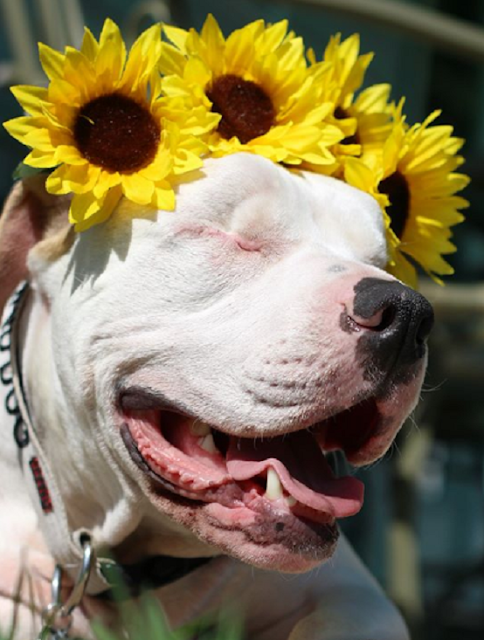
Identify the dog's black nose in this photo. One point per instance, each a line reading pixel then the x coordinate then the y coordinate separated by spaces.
pixel 400 320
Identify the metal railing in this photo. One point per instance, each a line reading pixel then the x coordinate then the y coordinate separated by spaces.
pixel 444 32
pixel 58 23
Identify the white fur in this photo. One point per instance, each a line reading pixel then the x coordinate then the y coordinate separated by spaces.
pixel 215 305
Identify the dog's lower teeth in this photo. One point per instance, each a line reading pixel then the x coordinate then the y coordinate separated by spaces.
pixel 207 444
pixel 199 428
pixel 291 502
pixel 274 487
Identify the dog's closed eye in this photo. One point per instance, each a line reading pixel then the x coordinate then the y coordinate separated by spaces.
pixel 204 231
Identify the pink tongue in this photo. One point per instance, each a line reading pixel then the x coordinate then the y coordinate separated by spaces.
pixel 302 469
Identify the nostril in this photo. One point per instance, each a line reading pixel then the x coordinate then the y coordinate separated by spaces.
pixel 424 328
pixel 387 318
pixel 379 321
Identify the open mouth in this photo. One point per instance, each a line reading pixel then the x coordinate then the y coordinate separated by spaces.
pixel 288 474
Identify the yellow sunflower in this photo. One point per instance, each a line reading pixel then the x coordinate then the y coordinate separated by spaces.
pixel 102 124
pixel 415 180
pixel 364 119
pixel 257 81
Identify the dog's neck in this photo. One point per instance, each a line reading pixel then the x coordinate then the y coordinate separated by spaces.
pixel 64 507
pixel 87 500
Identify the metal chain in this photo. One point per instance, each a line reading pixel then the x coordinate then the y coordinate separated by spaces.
pixel 57 616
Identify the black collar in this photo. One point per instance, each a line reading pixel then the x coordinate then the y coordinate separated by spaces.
pixel 153 572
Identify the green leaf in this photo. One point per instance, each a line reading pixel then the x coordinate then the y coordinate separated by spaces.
pixel 24 171
pixel 102 633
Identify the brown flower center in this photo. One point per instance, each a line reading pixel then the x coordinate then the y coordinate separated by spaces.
pixel 116 133
pixel 246 109
pixel 397 189
pixel 340 114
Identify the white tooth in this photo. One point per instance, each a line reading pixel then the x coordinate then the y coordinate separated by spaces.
pixel 207 443
pixel 291 501
pixel 199 428
pixel 274 486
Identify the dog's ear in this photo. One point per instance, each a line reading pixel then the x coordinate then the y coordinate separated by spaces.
pixel 31 217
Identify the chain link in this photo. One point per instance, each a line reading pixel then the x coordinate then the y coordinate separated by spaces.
pixel 57 616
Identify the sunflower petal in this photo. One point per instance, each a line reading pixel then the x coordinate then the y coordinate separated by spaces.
pixel 172 61
pixel 90 46
pixel 72 179
pixel 374 99
pixel 186 161
pixel 137 188
pixel 69 154
pixel 86 210
pixel 19 128
pixel 214 42
pixel 177 36
pixel 239 47
pixel 404 271
pixel 163 197
pixel 273 37
pixel 111 55
pixel 52 62
pixel 40 160
pixel 105 182
pixel 143 59
pixel 33 99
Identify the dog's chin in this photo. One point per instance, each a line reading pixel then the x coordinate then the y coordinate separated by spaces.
pixel 272 501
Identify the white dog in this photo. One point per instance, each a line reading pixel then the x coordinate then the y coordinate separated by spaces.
pixel 183 374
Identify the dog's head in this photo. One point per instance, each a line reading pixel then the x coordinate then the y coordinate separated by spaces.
pixel 209 358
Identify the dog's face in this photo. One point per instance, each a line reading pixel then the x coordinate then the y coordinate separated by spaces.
pixel 214 354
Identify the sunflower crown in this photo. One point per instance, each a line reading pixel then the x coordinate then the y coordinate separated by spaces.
pixel 113 123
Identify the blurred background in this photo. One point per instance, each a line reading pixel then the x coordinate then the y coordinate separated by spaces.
pixel 422 529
